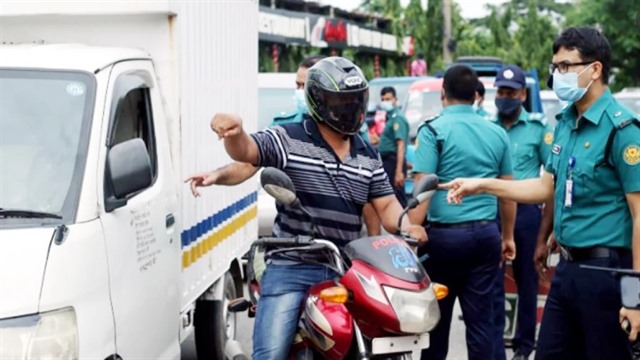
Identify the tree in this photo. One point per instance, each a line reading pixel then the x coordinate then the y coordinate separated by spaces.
pixel 619 20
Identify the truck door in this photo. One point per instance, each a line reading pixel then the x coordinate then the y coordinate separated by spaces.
pixel 143 244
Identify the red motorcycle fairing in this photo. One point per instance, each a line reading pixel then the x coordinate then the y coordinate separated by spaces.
pixel 328 326
pixel 370 306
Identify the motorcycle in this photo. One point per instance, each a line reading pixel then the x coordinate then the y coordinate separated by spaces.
pixel 630 293
pixel 383 304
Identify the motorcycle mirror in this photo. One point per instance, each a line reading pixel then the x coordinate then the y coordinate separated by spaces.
pixel 277 184
pixel 630 289
pixel 425 188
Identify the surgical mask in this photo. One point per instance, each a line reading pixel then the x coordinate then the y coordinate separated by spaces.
pixel 508 107
pixel 566 85
pixel 300 100
pixel 386 106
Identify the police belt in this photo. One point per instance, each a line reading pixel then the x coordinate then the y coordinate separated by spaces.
pixel 460 225
pixel 594 252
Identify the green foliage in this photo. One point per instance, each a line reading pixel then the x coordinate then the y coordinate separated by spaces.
pixel 619 20
pixel 519 31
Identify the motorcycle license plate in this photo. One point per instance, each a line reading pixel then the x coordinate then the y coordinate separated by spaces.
pixel 399 344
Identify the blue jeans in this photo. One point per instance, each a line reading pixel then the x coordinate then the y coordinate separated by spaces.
pixel 282 291
pixel 466 260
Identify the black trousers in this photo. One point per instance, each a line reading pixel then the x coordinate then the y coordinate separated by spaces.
pixel 389 162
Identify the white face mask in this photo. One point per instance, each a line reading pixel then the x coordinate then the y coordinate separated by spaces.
pixel 386 105
pixel 300 101
pixel 566 86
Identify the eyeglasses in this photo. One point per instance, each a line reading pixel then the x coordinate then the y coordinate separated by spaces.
pixel 563 67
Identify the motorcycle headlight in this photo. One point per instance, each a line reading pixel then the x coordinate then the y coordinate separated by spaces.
pixel 50 335
pixel 417 312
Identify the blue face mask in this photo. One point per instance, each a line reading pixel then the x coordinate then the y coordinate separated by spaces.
pixel 300 101
pixel 386 106
pixel 508 107
pixel 566 86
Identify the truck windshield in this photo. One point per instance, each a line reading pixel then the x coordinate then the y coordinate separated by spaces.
pixel 45 119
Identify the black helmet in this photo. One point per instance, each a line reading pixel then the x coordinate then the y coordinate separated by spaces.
pixel 337 94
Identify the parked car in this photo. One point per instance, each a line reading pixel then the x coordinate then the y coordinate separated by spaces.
pixel 275 96
pixel 551 105
pixel 629 97
pixel 401 84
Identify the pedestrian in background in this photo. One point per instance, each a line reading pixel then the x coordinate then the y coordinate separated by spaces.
pixel 419 66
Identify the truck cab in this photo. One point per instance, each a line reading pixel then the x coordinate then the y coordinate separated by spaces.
pixel 104 252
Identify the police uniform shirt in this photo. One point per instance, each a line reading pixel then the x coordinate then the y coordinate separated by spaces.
pixel 596 211
pixel 530 142
pixel 396 128
pixel 471 147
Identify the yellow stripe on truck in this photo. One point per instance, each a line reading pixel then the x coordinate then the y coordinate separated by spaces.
pixel 206 244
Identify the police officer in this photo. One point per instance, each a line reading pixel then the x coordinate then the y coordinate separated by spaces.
pixel 393 142
pixel 465 246
pixel 480 101
pixel 530 142
pixel 593 174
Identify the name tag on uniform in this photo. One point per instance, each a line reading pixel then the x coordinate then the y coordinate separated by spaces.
pixel 568 193
pixel 556 149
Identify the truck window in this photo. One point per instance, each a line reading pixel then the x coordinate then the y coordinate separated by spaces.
pixel 133 117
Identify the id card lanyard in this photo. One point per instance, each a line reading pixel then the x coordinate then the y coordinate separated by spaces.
pixel 568 188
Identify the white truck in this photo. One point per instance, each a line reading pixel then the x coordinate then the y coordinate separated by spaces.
pixel 104 111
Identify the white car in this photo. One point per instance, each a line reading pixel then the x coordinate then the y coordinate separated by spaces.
pixel 551 105
pixel 275 95
pixel 629 97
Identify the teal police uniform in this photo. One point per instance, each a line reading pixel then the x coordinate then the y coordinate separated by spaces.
pixel 596 211
pixel 530 140
pixel 297 116
pixel 287 118
pixel 482 112
pixel 396 128
pixel 464 244
pixel 595 161
pixel 473 147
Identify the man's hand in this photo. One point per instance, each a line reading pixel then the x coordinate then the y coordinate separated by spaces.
pixel 416 232
pixel 460 188
pixel 540 256
pixel 202 179
pixel 399 180
pixel 374 138
pixel 508 250
pixel 633 317
pixel 226 125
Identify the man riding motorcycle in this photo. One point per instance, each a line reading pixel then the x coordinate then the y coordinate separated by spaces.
pixel 334 172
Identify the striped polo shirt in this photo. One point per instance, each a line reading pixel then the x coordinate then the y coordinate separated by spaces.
pixel 333 191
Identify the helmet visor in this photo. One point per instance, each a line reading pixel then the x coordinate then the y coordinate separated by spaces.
pixel 345 110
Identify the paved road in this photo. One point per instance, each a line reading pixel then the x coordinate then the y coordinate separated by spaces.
pixel 457 344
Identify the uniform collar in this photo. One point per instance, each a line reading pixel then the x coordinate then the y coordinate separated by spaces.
pixel 593 114
pixel 458 109
pixel 392 112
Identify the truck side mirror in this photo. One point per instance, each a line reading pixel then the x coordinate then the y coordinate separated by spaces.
pixel 128 171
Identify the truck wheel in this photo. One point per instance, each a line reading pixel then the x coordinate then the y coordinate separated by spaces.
pixel 214 324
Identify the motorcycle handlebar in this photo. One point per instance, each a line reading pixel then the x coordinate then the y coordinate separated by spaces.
pixel 409 240
pixel 286 242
